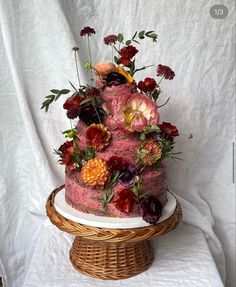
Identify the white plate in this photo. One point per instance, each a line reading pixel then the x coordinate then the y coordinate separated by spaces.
pixel 108 222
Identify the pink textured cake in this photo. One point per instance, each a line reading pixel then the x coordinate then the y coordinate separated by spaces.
pixel 90 200
pixel 115 148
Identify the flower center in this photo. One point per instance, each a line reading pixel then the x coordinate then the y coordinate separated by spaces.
pixel 131 115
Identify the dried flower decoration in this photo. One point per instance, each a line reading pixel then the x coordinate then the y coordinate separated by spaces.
pixel 148 152
pixel 98 136
pixel 124 200
pixel 95 173
pixel 166 72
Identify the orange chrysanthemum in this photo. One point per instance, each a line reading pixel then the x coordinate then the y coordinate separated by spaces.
pixel 149 152
pixel 98 136
pixel 95 173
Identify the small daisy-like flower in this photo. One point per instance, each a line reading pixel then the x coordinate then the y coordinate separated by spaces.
pixel 149 152
pixel 87 31
pixel 98 136
pixel 95 173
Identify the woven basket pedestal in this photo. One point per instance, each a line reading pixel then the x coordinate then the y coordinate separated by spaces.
pixel 111 261
pixel 111 253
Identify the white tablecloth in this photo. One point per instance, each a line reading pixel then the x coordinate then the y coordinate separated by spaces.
pixel 182 258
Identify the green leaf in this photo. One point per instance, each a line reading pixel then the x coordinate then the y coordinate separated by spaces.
pixel 85 101
pixel 135 34
pixel 74 95
pixel 141 34
pixel 136 41
pixel 128 42
pixel 110 198
pixel 116 60
pixel 57 97
pixel 120 37
pixel 142 136
pixel 57 152
pixel 72 86
pixel 148 32
pixel 64 91
pixel 89 153
pixel 54 91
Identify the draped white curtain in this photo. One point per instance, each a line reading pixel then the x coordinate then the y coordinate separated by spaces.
pixel 36 38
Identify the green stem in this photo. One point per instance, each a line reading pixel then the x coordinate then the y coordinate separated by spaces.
pixel 90 60
pixel 77 69
pixel 112 54
pixel 96 111
pixel 160 80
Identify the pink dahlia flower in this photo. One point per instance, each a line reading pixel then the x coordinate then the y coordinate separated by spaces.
pixel 133 112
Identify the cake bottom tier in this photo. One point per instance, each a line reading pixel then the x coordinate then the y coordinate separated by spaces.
pixel 90 200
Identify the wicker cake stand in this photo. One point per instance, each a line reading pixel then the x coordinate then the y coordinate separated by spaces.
pixel 111 253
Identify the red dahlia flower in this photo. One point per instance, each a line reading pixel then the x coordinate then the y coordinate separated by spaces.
pixel 110 39
pixel 87 31
pixel 98 136
pixel 124 200
pixel 127 53
pixel 165 71
pixel 72 106
pixel 168 130
pixel 148 85
pixel 67 150
pixel 116 163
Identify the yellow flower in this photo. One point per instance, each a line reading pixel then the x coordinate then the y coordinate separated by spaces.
pixel 121 71
pixel 95 173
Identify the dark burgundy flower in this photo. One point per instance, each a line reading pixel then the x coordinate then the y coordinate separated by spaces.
pixel 116 163
pixel 128 176
pixel 67 150
pixel 110 39
pixel 72 106
pixel 148 85
pixel 88 115
pixel 87 31
pixel 126 54
pixel 124 200
pixel 168 130
pixel 151 209
pixel 165 71
pixel 115 79
pixel 92 92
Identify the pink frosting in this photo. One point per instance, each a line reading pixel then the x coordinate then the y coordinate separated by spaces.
pixel 122 144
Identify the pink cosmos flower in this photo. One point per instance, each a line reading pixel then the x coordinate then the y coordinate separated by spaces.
pixel 133 112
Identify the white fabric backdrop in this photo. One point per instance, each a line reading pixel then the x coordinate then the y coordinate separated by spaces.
pixel 36 40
